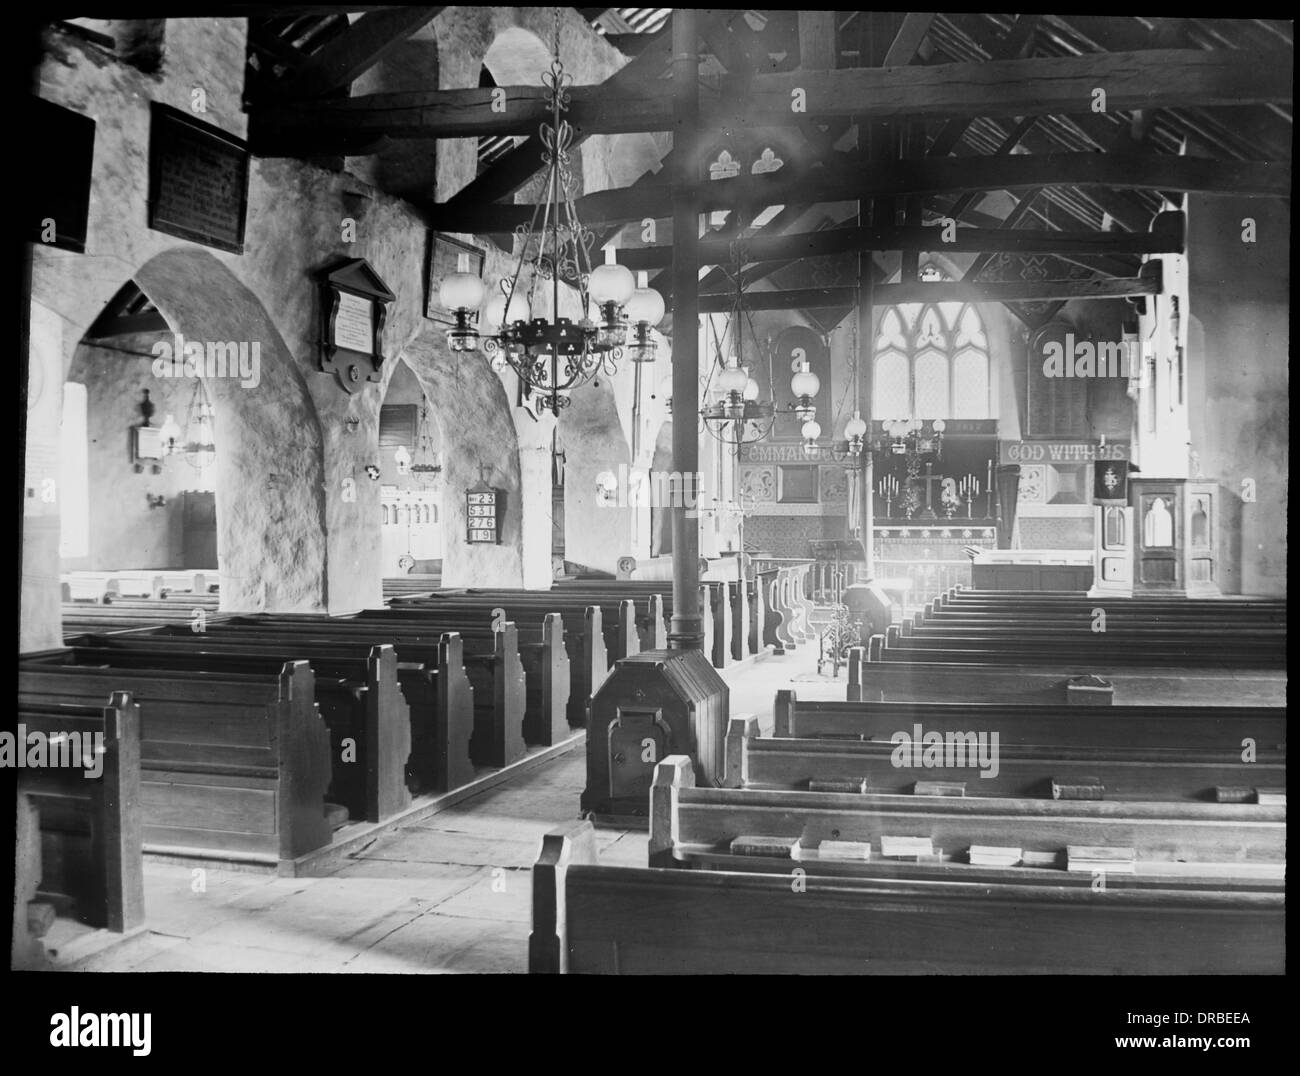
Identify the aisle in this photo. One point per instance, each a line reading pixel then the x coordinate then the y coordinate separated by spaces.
pixel 451 893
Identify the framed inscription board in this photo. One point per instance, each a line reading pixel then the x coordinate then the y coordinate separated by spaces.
pixel 353 304
pixel 60 201
pixel 198 180
pixel 483 506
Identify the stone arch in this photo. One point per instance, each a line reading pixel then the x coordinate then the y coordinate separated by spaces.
pixel 596 531
pixel 479 440
pixel 269 463
pixel 412 503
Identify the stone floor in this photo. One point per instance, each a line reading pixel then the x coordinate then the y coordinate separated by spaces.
pixel 450 893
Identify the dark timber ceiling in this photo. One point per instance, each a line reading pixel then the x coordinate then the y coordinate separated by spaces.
pixel 296 58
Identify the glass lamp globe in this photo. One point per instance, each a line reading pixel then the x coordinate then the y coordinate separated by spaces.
pixel 645 304
pixel 940 425
pixel 856 428
pixel 495 314
pixel 460 291
pixel 611 282
pixel 805 383
pixel 811 430
pixel 732 379
pixel 750 391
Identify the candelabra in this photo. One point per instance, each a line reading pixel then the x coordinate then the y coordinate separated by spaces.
pixel 970 489
pixel 888 488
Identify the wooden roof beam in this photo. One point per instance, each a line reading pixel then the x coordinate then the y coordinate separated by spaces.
pixel 1168 236
pixel 342 60
pixel 848 180
pixel 1148 282
pixel 1150 79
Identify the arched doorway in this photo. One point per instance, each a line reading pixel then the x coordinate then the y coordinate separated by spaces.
pixel 149 503
pixel 411 480
pixel 187 330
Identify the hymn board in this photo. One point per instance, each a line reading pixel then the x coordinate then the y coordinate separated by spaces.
pixel 483 514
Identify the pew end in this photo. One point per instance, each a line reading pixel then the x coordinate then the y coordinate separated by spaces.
pixel 548 946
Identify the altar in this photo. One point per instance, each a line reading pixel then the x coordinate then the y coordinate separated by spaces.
pixel 1033 569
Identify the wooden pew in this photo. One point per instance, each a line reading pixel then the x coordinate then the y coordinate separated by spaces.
pixel 430 669
pixel 618 615
pixel 87 586
pixel 1046 646
pixel 967 762
pixel 357 691
pixel 1222 728
pixel 584 639
pixel 79 846
pixel 589 918
pixel 905 681
pixel 653 602
pixel 491 661
pixel 1173 837
pixel 540 650
pixel 235 766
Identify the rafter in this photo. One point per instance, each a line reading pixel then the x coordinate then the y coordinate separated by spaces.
pixel 1148 282
pixel 999 88
pixel 1167 237
pixel 847 180
pixel 342 60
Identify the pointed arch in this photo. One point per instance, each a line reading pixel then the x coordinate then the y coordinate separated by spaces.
pixel 931 360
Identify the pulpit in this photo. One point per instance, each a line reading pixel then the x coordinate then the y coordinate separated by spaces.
pixel 1175 548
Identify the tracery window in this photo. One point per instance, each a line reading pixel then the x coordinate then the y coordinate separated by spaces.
pixel 932 361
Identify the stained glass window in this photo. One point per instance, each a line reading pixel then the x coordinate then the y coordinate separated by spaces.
pixel 932 361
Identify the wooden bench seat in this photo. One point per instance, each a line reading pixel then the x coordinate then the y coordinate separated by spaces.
pixel 79 838
pixel 357 690
pixel 1045 648
pixel 540 649
pixel 430 671
pixel 589 918
pixel 686 821
pixel 1011 681
pixel 235 766
pixel 977 765
pixel 491 663
pixel 1222 728
pixel 583 634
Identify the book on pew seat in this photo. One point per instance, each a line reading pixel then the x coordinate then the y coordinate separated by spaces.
pixel 1233 794
pixel 774 847
pixel 851 850
pixel 1078 788
pixel 843 784
pixel 939 788
pixel 1271 797
pixel 905 847
pixel 989 855
pixel 1112 860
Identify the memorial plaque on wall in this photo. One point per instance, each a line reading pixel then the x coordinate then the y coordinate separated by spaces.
pixel 198 180
pixel 60 176
pixel 353 307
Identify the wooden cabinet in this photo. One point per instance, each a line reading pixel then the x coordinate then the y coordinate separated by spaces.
pixel 1175 543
